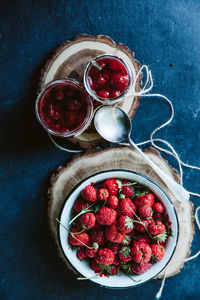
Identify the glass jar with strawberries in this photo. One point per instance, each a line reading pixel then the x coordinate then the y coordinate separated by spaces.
pixel 64 108
pixel 108 79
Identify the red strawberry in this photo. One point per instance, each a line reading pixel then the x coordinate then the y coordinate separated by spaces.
pixel 156 228
pixel 103 94
pixel 79 205
pixel 114 248
pixel 127 191
pixel 115 94
pixel 158 207
pixel 145 211
pixel 112 202
pixel 113 235
pixel 141 252
pixel 112 186
pixel 89 194
pixel 125 224
pixel 147 199
pixel 94 266
pixel 158 251
pixel 143 238
pixel 126 208
pixel 81 254
pixel 140 268
pixel 125 254
pixel 106 216
pixel 97 236
pixel 90 252
pixel 105 256
pixel 157 216
pixel 141 228
pixel 113 270
pixel 102 194
pixel 78 239
pixel 88 220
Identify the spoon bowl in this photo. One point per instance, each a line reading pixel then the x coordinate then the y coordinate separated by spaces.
pixel 114 125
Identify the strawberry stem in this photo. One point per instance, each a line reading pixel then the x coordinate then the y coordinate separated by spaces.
pixel 83 211
pixel 73 234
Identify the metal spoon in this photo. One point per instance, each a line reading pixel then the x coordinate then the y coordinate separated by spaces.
pixel 115 126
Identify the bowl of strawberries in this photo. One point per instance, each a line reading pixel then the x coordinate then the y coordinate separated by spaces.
pixel 118 229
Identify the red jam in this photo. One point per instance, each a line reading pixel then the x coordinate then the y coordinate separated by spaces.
pixel 111 81
pixel 63 107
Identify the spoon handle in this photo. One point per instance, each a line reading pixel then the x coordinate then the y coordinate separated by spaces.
pixel 179 192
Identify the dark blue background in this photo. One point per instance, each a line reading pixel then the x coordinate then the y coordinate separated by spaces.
pixel 160 33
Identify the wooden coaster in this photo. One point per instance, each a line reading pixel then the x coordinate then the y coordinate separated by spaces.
pixel 71 59
pixel 79 168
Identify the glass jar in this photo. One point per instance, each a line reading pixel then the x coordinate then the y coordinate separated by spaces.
pixel 108 79
pixel 64 108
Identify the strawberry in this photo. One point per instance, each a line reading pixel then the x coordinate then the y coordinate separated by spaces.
pixel 103 94
pixel 125 224
pixel 94 266
pixel 78 239
pixel 88 220
pixel 81 254
pixel 156 228
pixel 97 236
pixel 105 256
pixel 113 270
pixel 102 194
pixel 112 202
pixel 143 238
pixel 79 205
pixel 145 211
pixel 125 254
pixel 90 252
pixel 114 248
pixel 115 94
pixel 157 216
pixel 126 208
pixel 158 207
pixel 89 194
pixel 113 235
pixel 141 228
pixel 112 186
pixel 106 216
pixel 158 252
pixel 140 268
pixel 141 252
pixel 127 191
pixel 147 199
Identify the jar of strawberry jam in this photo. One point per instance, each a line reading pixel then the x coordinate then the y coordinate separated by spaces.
pixel 64 108
pixel 108 79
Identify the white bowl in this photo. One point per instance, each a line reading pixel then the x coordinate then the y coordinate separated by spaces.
pixel 117 281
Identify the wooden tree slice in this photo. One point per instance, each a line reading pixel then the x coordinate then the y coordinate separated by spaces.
pixel 66 178
pixel 71 59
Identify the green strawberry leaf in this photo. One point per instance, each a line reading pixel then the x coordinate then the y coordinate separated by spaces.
pixel 125 251
pixel 161 237
pixel 129 223
pixel 126 240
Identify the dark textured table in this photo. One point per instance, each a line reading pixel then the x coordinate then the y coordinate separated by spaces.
pixel 165 35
